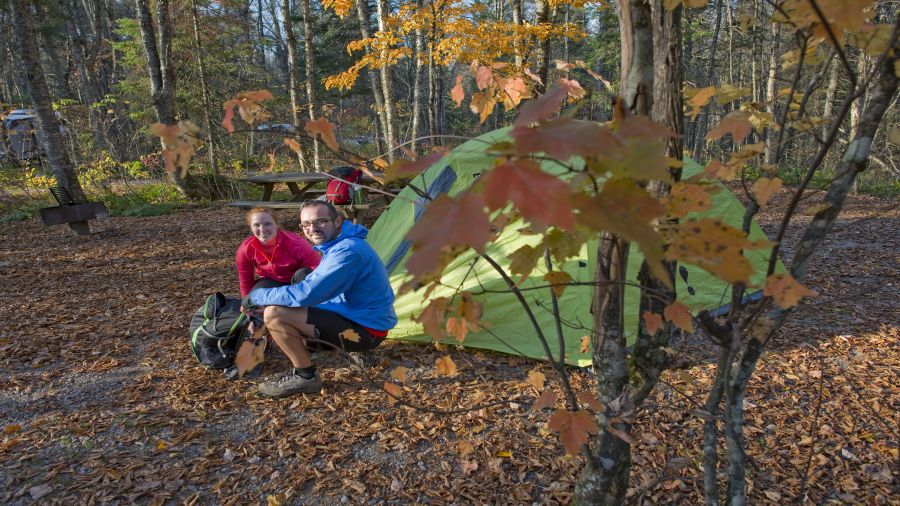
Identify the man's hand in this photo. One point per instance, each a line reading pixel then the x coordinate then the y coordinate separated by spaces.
pixel 247 305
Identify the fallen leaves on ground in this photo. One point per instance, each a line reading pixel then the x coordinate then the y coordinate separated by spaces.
pixel 102 401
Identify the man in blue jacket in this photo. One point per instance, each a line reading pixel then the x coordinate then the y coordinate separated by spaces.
pixel 346 303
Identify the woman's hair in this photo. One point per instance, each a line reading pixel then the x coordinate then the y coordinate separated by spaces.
pixel 267 210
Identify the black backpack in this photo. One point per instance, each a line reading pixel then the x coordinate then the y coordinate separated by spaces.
pixel 217 330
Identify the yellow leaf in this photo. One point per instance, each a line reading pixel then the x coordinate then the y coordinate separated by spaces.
pixel 350 335
pixel 816 208
pixel 679 314
pixel 445 366
pixel 271 500
pixel 399 373
pixel 714 246
pixel 536 379
pixel 729 93
pixel 12 429
pixel 559 280
pixel 785 290
pixel 698 98
pixel 161 445
pixel 505 454
pixel 585 344
pixel 764 188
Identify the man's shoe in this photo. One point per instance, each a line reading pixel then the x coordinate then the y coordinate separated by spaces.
pixel 290 384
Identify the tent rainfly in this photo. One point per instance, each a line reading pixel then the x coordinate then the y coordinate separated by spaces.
pixel 506 328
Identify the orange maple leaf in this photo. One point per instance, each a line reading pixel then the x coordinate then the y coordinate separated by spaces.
pixel 564 138
pixel 679 314
pixel 457 93
pixel 540 197
pixel 432 316
pixel 445 366
pixel 447 223
pixel 324 129
pixel 405 168
pixel 573 428
pixel 785 290
pixel 393 390
pixel 764 188
pixel 250 354
pixel 590 399
pixel 736 123
pixel 542 108
pixel 399 373
pixel 546 400
pixel 653 322
pixel 559 279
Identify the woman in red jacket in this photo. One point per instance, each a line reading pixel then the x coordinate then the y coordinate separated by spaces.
pixel 272 257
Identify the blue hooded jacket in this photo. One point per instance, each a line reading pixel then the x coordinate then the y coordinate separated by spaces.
pixel 350 281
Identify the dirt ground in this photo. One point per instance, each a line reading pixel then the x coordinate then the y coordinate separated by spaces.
pixel 101 400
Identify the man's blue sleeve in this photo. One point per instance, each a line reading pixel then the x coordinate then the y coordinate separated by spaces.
pixel 334 276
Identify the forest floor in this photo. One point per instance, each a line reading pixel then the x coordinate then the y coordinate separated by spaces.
pixel 101 400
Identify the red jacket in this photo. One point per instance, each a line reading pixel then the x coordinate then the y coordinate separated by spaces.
pixel 278 261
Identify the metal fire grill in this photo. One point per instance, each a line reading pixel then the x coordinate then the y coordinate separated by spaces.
pixel 74 214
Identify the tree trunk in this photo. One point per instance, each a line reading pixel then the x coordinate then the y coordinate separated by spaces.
pixel 281 60
pixel 771 80
pixel 390 113
pixel 293 73
pixel 162 76
pixel 830 93
pixel 312 104
pixel 703 120
pixel 432 98
pixel 204 89
pixel 416 127
pixel 606 475
pixel 54 142
pixel 517 20
pixel 364 18
pixel 543 14
pixel 763 328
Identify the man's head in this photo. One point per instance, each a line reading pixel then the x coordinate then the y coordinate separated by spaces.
pixel 320 221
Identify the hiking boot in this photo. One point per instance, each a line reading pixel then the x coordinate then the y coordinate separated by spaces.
pixel 284 385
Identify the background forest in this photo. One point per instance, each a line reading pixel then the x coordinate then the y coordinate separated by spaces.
pixel 378 71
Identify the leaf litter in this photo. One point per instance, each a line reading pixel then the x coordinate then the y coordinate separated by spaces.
pixel 102 401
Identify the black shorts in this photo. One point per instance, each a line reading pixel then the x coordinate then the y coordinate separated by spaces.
pixel 336 332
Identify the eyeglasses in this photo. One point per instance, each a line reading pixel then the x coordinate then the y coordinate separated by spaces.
pixel 318 223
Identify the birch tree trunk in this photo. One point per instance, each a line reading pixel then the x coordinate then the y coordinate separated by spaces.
pixel 54 142
pixel 311 102
pixel 390 113
pixel 416 127
pixel 771 89
pixel 364 17
pixel 204 89
pixel 293 73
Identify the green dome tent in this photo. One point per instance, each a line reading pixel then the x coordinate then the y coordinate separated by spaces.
pixel 506 326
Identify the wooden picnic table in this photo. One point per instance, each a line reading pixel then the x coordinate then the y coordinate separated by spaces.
pixel 302 187
pixel 300 183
